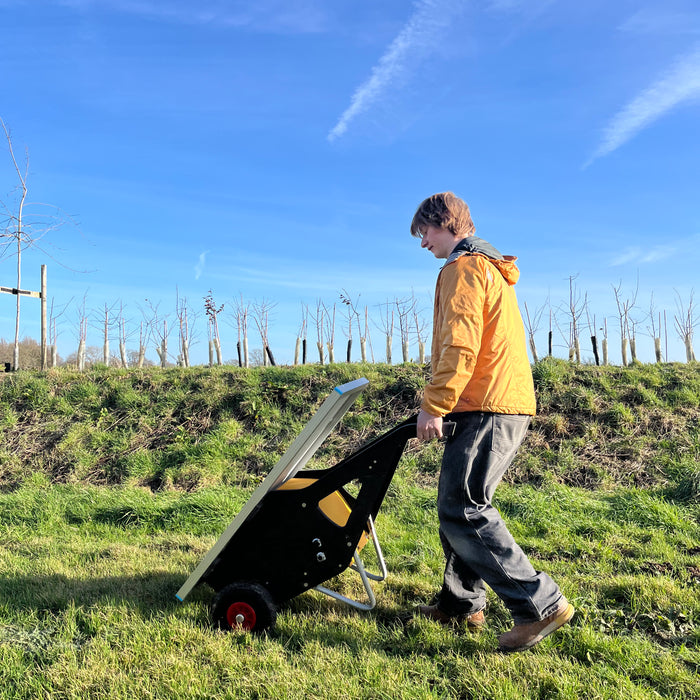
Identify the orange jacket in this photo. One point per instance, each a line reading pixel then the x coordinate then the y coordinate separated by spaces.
pixel 478 356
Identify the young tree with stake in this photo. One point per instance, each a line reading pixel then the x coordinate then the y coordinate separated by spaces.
pixel 20 230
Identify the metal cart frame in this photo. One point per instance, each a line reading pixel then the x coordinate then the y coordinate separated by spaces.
pixel 301 528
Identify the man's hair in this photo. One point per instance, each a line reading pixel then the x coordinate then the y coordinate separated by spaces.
pixel 443 210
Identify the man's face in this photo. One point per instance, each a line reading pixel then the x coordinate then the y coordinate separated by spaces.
pixel 439 241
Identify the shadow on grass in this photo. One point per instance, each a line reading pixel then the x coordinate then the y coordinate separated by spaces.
pixel 393 631
pixel 147 592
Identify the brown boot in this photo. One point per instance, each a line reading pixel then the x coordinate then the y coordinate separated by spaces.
pixel 475 621
pixel 526 635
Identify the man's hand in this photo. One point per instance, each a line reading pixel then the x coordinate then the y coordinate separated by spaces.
pixel 429 426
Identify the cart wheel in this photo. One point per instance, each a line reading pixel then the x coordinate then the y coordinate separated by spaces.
pixel 246 606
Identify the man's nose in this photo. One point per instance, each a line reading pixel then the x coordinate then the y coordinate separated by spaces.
pixel 424 241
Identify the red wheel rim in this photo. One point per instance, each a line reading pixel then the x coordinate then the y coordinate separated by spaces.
pixel 241 615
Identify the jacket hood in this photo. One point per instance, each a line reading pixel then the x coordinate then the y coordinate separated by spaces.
pixel 472 245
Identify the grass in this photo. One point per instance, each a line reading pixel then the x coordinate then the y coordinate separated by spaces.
pixel 114 484
pixel 87 603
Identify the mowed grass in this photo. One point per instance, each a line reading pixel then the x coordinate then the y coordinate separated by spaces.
pixel 87 606
pixel 115 483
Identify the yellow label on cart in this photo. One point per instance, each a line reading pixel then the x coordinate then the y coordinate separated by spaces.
pixel 334 506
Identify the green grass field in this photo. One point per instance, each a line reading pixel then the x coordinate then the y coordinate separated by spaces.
pixel 115 484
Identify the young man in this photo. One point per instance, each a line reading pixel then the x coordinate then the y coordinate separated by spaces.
pixel 481 377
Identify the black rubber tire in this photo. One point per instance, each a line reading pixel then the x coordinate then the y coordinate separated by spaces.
pixel 246 606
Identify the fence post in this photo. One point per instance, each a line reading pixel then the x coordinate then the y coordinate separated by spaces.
pixel 43 318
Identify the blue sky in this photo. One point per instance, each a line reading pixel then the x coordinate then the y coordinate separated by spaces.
pixel 277 151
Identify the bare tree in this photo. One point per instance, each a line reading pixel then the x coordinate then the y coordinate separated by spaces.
pixel 300 347
pixel 82 334
pixel 605 341
pixel 318 320
pixel 186 317
pixel 241 313
pixel 567 336
pixel 404 314
pixel 686 322
pixel 126 331
pixel 330 333
pixel 351 315
pixel 362 331
pixel 366 339
pixel 144 337
pixel 421 329
pixel 592 332
pixel 386 325
pixel 261 316
pixel 148 328
pixel 624 308
pixel 136 359
pixel 16 231
pixel 54 315
pixel 104 322
pixel 634 322
pixel 122 335
pixel 213 311
pixel 655 330
pixel 105 345
pixel 575 311
pixel 159 330
pixel 24 225
pixel 533 324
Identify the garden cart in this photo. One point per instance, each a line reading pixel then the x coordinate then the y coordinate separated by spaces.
pixel 301 527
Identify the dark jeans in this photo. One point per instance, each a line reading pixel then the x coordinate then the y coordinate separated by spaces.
pixel 478 547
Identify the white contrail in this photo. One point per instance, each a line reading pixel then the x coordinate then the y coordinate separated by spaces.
pixel 419 37
pixel 681 83
pixel 638 255
pixel 199 267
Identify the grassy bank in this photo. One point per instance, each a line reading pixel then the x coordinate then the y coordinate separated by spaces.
pixel 597 427
pixel 114 485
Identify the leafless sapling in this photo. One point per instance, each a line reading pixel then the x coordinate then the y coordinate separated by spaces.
pixel 318 319
pixel 604 342
pixel 82 326
pixel 686 321
pixel 533 324
pixel 159 330
pixel 104 321
pixel 594 337
pixel 241 314
pixel 300 349
pixel 261 316
pixel 213 311
pixel 330 333
pixel 22 229
pixel 404 314
pixel 421 328
pixel 350 315
pixel 52 329
pixel 655 330
pixel 624 308
pixel 575 311
pixel 386 325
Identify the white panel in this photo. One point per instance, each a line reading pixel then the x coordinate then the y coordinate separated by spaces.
pixel 296 456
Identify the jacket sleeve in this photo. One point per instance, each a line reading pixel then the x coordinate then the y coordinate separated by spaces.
pixel 461 296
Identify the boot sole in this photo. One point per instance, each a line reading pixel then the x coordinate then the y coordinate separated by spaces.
pixel 559 621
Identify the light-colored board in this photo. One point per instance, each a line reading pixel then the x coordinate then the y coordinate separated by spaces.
pixel 21 292
pixel 296 456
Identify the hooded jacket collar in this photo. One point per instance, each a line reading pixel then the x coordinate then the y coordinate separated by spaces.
pixel 478 246
pixel 471 246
